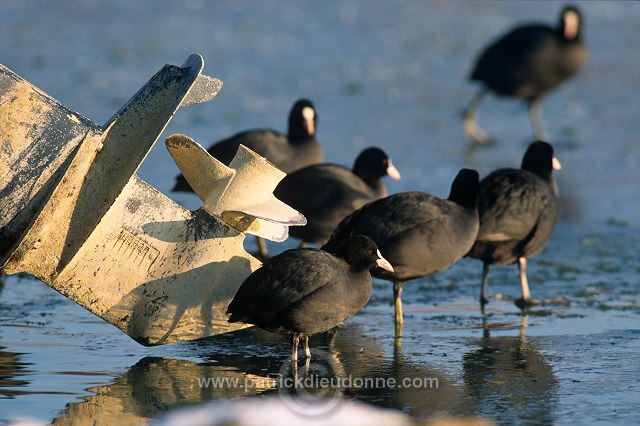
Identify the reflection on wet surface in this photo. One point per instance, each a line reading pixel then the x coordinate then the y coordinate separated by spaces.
pixel 489 366
pixel 509 380
pixel 504 378
pixel 457 362
pixel 12 373
pixel 150 388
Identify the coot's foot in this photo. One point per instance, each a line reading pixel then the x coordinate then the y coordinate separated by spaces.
pixel 524 304
pixel 486 299
pixel 483 302
pixel 557 301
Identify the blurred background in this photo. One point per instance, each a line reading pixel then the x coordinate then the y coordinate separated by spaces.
pixel 385 73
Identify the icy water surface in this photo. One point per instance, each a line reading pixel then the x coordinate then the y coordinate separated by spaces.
pixel 385 73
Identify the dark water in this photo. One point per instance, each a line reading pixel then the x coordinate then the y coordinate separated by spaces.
pixel 386 73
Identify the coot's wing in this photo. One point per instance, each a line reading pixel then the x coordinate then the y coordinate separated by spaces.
pixel 511 204
pixel 383 219
pixel 319 190
pixel 432 235
pixel 547 221
pixel 282 280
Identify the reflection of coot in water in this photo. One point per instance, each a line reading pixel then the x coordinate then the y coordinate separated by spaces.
pixel 394 380
pixel 11 370
pixel 307 291
pixel 154 386
pixel 510 381
pixel 527 63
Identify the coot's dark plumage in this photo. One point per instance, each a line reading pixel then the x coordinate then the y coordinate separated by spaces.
pixel 299 148
pixel 528 62
pixel 306 291
pixel 518 212
pixel 419 233
pixel 326 193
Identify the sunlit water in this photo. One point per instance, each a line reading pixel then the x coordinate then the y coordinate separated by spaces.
pixel 390 74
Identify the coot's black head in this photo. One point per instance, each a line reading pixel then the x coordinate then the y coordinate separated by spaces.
pixel 465 188
pixel 361 253
pixel 373 163
pixel 303 120
pixel 539 159
pixel 570 23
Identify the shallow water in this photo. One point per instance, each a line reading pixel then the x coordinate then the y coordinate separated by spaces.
pixel 390 74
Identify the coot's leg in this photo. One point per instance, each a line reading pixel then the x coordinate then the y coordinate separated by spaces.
pixel 397 298
pixel 536 120
pixel 469 125
pixel 262 248
pixel 305 341
pixel 483 290
pixel 295 338
pixel 303 244
pixel 525 301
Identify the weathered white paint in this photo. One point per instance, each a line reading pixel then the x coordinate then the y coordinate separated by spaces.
pixel 74 214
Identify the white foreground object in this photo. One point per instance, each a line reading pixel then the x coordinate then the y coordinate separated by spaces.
pixel 74 214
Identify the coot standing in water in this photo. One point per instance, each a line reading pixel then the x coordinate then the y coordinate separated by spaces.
pixel 301 292
pixel 289 152
pixel 419 233
pixel 326 193
pixel 518 212
pixel 528 62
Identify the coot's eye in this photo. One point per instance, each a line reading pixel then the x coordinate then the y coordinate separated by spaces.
pixel 370 252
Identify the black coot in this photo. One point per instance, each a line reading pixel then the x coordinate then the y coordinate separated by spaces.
pixel 326 193
pixel 528 62
pixel 518 212
pixel 419 233
pixel 307 291
pixel 299 148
